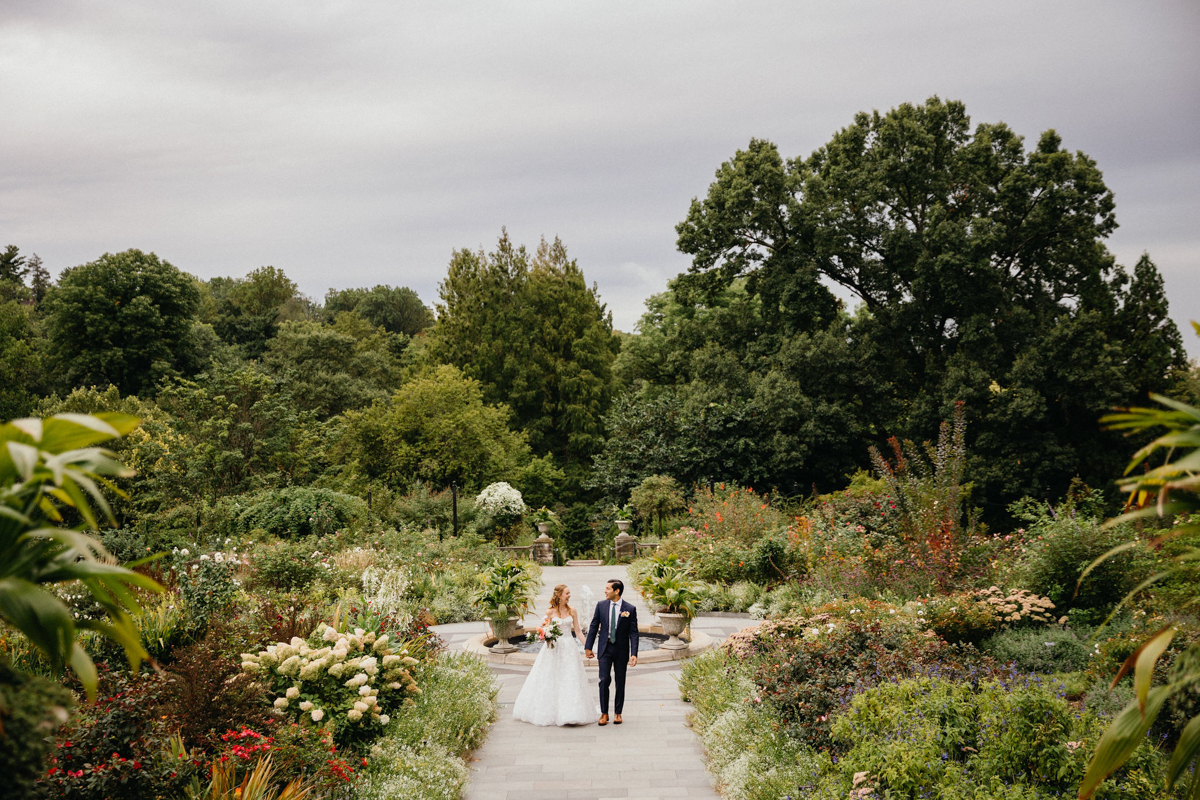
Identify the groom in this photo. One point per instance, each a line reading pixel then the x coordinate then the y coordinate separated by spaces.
pixel 616 622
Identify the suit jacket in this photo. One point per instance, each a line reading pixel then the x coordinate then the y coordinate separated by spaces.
pixel 626 644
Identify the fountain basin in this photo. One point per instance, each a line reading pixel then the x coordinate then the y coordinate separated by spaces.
pixel 527 651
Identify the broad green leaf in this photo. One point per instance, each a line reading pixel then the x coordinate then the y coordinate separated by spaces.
pixel 64 432
pixel 44 620
pixel 1147 656
pixel 25 458
pixel 1122 737
pixel 1185 751
pixel 84 669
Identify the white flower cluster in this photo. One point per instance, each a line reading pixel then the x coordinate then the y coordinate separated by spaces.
pixel 359 661
pixel 500 498
pixel 385 588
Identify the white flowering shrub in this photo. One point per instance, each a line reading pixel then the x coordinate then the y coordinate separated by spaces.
pixel 399 770
pixel 350 682
pixel 500 499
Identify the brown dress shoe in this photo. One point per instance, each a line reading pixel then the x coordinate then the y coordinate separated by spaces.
pixel 604 719
pixel 617 719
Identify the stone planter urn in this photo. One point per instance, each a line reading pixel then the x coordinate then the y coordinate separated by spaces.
pixel 623 524
pixel 673 625
pixel 505 629
pixel 543 527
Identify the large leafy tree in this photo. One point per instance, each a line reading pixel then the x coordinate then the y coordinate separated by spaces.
pixel 397 309
pixel 437 429
pixel 20 361
pixel 246 312
pixel 330 369
pixel 124 319
pixel 982 274
pixel 536 337
pixel 230 431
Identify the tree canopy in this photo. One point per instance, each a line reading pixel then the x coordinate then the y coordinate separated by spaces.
pixel 537 338
pixel 124 319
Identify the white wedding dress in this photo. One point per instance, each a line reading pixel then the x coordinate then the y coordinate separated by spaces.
pixel 557 692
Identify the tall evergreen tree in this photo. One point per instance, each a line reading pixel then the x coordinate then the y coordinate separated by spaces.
pixel 1154 350
pixel 537 337
pixel 39 278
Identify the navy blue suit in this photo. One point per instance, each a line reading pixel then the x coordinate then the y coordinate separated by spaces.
pixel 613 656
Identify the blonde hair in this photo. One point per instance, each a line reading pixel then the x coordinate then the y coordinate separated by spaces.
pixel 556 598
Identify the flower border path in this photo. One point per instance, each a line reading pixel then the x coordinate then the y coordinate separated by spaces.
pixel 652 755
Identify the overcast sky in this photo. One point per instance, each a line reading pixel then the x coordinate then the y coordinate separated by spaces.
pixel 356 143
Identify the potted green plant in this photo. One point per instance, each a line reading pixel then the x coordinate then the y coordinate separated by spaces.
pixel 624 518
pixel 542 519
pixel 505 597
pixel 674 597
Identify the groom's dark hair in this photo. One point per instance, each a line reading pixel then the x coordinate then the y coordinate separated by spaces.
pixel 620 587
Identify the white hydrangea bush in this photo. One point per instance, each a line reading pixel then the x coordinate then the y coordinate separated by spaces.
pixel 500 499
pixel 352 682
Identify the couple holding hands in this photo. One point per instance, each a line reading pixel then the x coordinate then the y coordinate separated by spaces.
pixel 557 692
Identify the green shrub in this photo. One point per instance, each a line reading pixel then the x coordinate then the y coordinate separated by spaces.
pixel 284 566
pixel 930 737
pixel 456 705
pixel 291 512
pixel 962 618
pixel 747 753
pixel 811 675
pixel 31 710
pixel 1060 543
pixel 1044 650
pixel 207 588
pixel 577 531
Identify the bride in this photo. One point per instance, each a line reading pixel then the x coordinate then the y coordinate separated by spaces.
pixel 556 691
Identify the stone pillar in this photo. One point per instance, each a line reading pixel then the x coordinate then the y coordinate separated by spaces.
pixel 543 549
pixel 625 546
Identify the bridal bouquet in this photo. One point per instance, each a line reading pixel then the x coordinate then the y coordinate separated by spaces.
pixel 547 633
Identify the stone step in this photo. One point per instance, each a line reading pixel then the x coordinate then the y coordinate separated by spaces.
pixel 587 562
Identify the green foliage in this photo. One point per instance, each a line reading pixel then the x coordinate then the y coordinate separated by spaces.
pixel 120 746
pixel 656 497
pixel 208 589
pixel 1045 650
pixel 931 737
pixel 20 362
pixel 436 429
pixel 1172 488
pixel 507 590
pixel 667 587
pixel 962 618
pixel 395 309
pixel 329 370
pixel 48 467
pixel 537 339
pixel 577 532
pixel 983 278
pixel 285 566
pixel 292 512
pixel 456 705
pixel 231 431
pixel 1060 543
pixel 124 319
pixel 31 710
pixel 245 312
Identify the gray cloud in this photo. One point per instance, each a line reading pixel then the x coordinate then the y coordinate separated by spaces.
pixel 358 143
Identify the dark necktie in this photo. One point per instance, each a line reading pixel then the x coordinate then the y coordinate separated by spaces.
pixel 612 624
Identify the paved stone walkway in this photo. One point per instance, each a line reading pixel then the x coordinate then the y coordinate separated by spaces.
pixel 652 755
